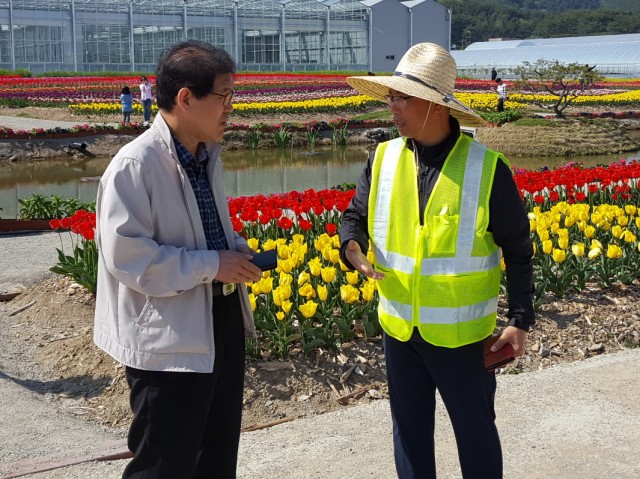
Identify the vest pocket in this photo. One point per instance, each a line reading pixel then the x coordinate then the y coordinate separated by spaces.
pixel 442 239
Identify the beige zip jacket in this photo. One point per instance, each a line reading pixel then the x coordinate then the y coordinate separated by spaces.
pixel 154 300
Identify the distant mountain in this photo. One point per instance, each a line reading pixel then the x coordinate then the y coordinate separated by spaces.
pixel 480 20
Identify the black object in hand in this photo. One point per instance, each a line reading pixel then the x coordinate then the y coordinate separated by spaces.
pixel 266 260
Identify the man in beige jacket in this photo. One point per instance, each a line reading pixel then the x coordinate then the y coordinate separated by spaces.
pixel 171 303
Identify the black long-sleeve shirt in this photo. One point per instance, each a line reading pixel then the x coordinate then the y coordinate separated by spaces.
pixel 507 221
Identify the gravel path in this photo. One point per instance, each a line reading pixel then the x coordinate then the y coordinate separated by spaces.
pixel 576 421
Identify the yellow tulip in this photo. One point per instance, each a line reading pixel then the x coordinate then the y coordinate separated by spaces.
pixel 532 225
pixel 303 278
pixel 578 249
pixel 285 279
pixel 298 238
pixel 253 243
pixel 335 241
pixel 349 294
pixel 630 210
pixel 563 242
pixel 285 265
pixel 286 306
pixel 315 266
pixel 582 225
pixel 589 231
pixel 352 277
pixel 280 315
pixel 503 266
pixel 269 245
pixel 594 253
pixel 322 292
pixel 554 228
pixel 569 221
pixel 637 221
pixel 616 231
pixel 266 285
pixel 559 255
pixel 252 301
pixel 307 291
pixel 255 288
pixel 623 220
pixel 277 296
pixel 284 251
pixel 547 246
pixel 343 267
pixel 326 253
pixel 543 234
pixel 334 256
pixel 596 244
pixel 367 289
pixel 614 251
pixel 629 237
pixel 308 309
pixel 328 274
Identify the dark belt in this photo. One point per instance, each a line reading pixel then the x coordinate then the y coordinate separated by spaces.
pixel 223 289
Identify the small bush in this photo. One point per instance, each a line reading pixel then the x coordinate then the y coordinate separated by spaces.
pixel 500 118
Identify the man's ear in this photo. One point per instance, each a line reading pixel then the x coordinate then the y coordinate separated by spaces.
pixel 183 98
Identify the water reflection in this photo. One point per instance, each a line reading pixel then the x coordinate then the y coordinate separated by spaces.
pixel 246 173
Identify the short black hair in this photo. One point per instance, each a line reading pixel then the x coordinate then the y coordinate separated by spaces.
pixel 125 90
pixel 190 64
pixel 498 80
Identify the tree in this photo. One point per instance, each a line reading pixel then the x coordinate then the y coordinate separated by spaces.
pixel 564 83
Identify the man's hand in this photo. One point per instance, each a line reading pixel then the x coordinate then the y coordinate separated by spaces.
pixel 244 248
pixel 514 336
pixel 236 267
pixel 360 262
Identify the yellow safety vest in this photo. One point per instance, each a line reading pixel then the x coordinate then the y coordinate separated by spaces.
pixel 443 276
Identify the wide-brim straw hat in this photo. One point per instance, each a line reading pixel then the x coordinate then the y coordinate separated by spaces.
pixel 426 71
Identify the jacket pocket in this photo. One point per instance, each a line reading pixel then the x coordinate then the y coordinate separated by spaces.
pixel 143 318
pixel 442 239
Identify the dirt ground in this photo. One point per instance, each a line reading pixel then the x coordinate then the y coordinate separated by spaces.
pixel 48 347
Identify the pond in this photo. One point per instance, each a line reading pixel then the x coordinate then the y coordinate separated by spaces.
pixel 246 173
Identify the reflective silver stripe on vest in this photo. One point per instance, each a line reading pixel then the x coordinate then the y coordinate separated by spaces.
pixel 461 314
pixel 471 264
pixel 395 308
pixel 469 200
pixel 433 315
pixel 388 168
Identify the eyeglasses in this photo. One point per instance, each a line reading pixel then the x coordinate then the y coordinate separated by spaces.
pixel 226 99
pixel 398 100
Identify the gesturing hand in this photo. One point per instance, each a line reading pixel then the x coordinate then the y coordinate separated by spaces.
pixel 360 262
pixel 236 267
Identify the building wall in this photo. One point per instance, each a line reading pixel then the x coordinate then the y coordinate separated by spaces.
pixel 397 26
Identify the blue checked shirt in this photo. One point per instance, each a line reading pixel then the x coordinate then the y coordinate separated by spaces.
pixel 196 169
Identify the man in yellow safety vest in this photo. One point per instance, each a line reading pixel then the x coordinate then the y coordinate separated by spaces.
pixel 439 209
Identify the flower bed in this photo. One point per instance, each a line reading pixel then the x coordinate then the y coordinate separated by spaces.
pixel 585 226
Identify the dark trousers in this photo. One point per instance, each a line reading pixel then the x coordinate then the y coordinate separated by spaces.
pixel 415 369
pixel 146 109
pixel 500 104
pixel 187 425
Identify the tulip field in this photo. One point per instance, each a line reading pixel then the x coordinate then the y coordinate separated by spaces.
pixel 275 93
pixel 585 225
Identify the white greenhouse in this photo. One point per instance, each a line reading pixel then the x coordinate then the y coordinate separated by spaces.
pixel 613 55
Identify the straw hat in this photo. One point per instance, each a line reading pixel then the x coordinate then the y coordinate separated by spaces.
pixel 426 71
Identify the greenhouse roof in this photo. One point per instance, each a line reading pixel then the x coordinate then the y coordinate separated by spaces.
pixel 177 6
pixel 602 51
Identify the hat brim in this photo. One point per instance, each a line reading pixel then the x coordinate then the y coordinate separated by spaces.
pixel 378 87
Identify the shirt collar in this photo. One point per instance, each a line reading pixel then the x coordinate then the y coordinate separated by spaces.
pixel 185 157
